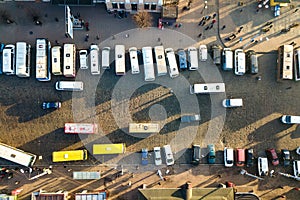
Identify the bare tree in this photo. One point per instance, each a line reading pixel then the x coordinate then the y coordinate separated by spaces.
pixel 143 19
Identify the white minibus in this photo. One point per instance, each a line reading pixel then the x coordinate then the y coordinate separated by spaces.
pixel 168 155
pixel 206 88
pixel 148 64
pixel 69 68
pixel 227 57
pixel 23 59
pixel 120 60
pixel 56 60
pixel 144 128
pixel 239 62
pixel 173 68
pixel 8 65
pixel 203 52
pixel 105 58
pixel 134 62
pixel 193 58
pixel 161 65
pixel 69 85
pixel 94 59
pixel 297 65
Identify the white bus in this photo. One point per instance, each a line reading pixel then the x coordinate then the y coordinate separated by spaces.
pixel 16 155
pixel 168 155
pixel 193 58
pixel 287 62
pixel 81 128
pixel 297 65
pixel 239 62
pixel 161 65
pixel 206 88
pixel 8 65
pixel 22 59
pixel 173 68
pixel 134 62
pixel 56 60
pixel 144 128
pixel 94 59
pixel 105 58
pixel 69 68
pixel 203 52
pixel 120 59
pixel 43 47
pixel 227 57
pixel 148 64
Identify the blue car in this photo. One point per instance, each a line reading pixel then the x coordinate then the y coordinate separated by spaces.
pixel 211 157
pixel 51 105
pixel 1 56
pixel 144 156
pixel 182 59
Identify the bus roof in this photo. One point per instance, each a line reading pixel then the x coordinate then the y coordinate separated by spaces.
pixel 61 156
pixel 108 148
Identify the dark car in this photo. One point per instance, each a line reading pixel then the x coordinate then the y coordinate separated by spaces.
pixel 144 156
pixel 249 158
pixel 286 157
pixel 196 154
pixel 272 155
pixel 51 105
pixel 211 157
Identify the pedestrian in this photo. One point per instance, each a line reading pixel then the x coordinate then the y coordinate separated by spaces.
pixel 207 28
pixel 179 25
pixel 78 15
pixel 296 10
pixel 270 26
pixel 214 15
pixel 208 17
pixel 257 10
pixel 223 27
pixel 214 21
pixel 127 35
pixel 241 10
pixel 87 36
pixel 200 34
pixel 210 26
pixel 56 19
pixel 292 43
pixel 176 25
pixel 203 23
pixel 239 31
pixel 97 37
pixel 56 42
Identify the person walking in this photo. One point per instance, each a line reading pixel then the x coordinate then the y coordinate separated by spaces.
pixel 223 27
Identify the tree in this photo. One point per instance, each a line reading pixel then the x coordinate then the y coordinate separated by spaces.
pixel 143 19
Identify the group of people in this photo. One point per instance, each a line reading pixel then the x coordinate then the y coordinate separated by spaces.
pixel 204 21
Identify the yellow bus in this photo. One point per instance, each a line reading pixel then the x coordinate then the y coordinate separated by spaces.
pixel 109 148
pixel 61 156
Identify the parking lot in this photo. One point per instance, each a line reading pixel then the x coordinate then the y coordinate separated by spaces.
pixel 109 100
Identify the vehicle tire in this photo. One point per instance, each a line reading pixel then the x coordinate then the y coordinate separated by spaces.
pixel 298 150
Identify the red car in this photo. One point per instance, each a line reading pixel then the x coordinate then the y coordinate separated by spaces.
pixel 272 155
pixel 160 24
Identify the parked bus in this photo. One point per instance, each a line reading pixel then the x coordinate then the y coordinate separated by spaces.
pixel 94 59
pixel 23 59
pixel 206 88
pixel 69 60
pixel 16 155
pixel 8 66
pixel 105 58
pixel 56 60
pixel 81 128
pixel 120 59
pixel 297 65
pixel 161 65
pixel 216 54
pixel 173 68
pixel 239 62
pixel 43 47
pixel 203 52
pixel 193 58
pixel 103 149
pixel 144 128
pixel 73 155
pixel 285 61
pixel 134 62
pixel 227 57
pixel 86 175
pixel 148 64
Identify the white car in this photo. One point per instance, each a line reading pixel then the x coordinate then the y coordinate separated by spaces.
pixel 230 103
pixel 289 119
pixel 228 157
pixel 263 168
pixel 296 166
pixel 168 155
pixel 157 156
pixel 83 59
pixel 203 52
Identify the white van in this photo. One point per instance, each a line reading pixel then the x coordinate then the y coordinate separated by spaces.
pixel 239 62
pixel 94 60
pixel 290 119
pixel 193 58
pixel 134 62
pixel 296 167
pixel 56 60
pixel 228 157
pixel 173 68
pixel 105 58
pixel 69 85
pixel 227 57
pixel 8 65
pixel 168 155
pixel 161 65
pixel 206 88
pixel 22 59
pixel 203 52
pixel 83 59
pixel 230 103
pixel 263 168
